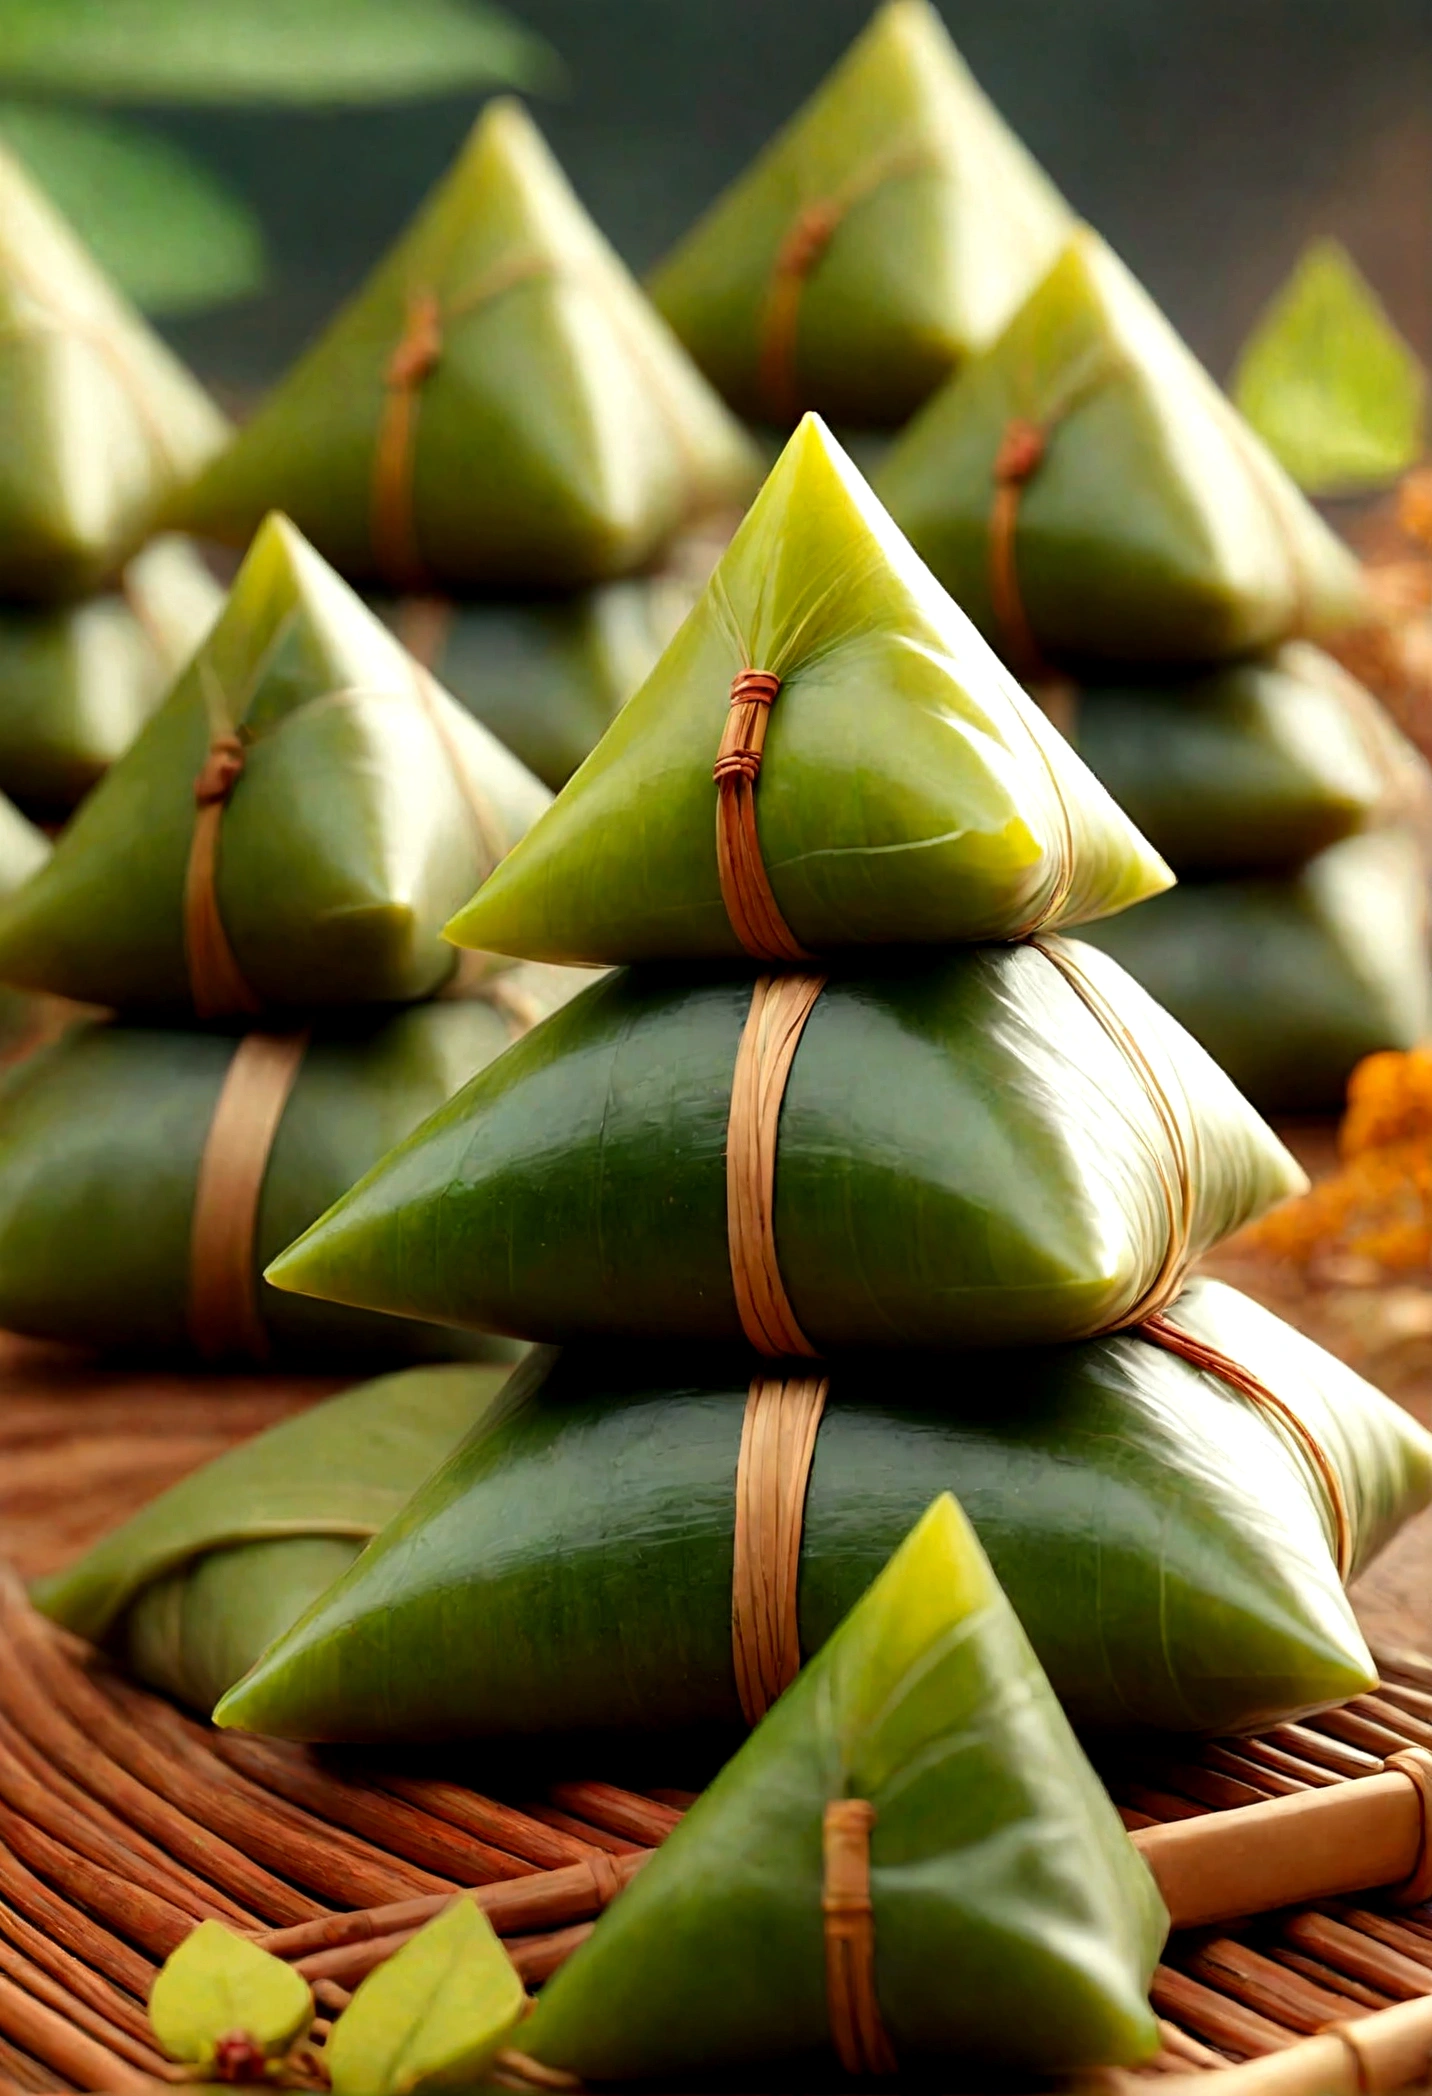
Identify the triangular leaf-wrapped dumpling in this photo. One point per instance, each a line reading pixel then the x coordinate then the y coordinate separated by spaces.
pixel 888 230
pixel 198 1583
pixel 498 404
pixel 908 790
pixel 23 848
pixel 1167 1543
pixel 1013 1923
pixel 1251 767
pixel 101 423
pixel 1083 489
pixel 1289 981
pixel 969 1152
pixel 209 870
pixel 129 1154
pixel 78 681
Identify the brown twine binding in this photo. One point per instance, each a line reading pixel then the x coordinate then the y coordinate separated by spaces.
pixel 224 1318
pixel 392 527
pixel 746 890
pixel 216 982
pixel 1175 1340
pixel 856 2027
pixel 778 1433
pixel 1020 455
pixel 780 1007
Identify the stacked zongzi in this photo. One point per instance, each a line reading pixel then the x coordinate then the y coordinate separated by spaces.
pixel 864 1167
pixel 98 425
pixel 1107 517
pixel 205 887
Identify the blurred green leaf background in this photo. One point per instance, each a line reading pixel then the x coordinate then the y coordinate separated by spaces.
pixel 175 235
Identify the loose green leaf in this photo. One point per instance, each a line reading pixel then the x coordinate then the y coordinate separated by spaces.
pixel 235 51
pixel 170 232
pixel 432 2016
pixel 1328 382
pixel 216 1985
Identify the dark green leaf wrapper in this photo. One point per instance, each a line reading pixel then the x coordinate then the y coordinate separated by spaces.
pixel 101 422
pixel 1014 1925
pixel 78 681
pixel 1166 1547
pixel 1289 982
pixel 101 1136
pixel 194 1587
pixel 1247 769
pixel 1157 528
pixel 965 1158
pixel 331 898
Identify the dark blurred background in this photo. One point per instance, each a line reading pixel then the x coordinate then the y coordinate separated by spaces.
pixel 1208 139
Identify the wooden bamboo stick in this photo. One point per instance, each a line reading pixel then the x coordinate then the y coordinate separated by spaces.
pixel 1287 1851
pixel 156 1924
pixel 23 1972
pixel 618 1811
pixel 502 1825
pixel 538 1957
pixel 119 2008
pixel 1261 1983
pixel 45 1909
pixel 1365 2056
pixel 83 2061
pixel 1227 2024
pixel 582 1830
pixel 1335 1982
pixel 1358 1956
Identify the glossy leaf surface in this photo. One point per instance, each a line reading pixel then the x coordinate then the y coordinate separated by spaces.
pixel 965 1157
pixel 1330 385
pixel 1014 1926
pixel 1165 1546
pixel 909 791
pixel 1156 527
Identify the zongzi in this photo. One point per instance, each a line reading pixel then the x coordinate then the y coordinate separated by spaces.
pixel 101 423
pixel 997 1145
pixel 889 229
pixel 1289 982
pixel 1084 490
pixel 1010 1922
pixel 547 675
pixel 887 781
pixel 194 1587
pixel 78 681
pixel 224 1145
pixel 1253 767
pixel 497 405
pixel 206 872
pixel 1167 1543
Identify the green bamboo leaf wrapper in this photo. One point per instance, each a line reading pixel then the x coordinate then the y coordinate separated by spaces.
pixel 108 1125
pixel 1330 385
pixel 1015 1927
pixel 1167 1547
pixel 965 1158
pixel 909 791
pixel 942 223
pixel 547 675
pixel 561 435
pixel 335 897
pixel 192 1589
pixel 1253 767
pixel 101 422
pixel 23 848
pixel 1158 527
pixel 432 2015
pixel 78 681
pixel 1290 981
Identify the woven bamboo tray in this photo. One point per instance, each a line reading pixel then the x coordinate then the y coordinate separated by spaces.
pixel 122 1820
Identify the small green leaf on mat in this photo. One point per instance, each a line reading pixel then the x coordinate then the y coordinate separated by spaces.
pixel 1328 382
pixel 312 52
pixel 171 234
pixel 217 1989
pixel 432 2016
